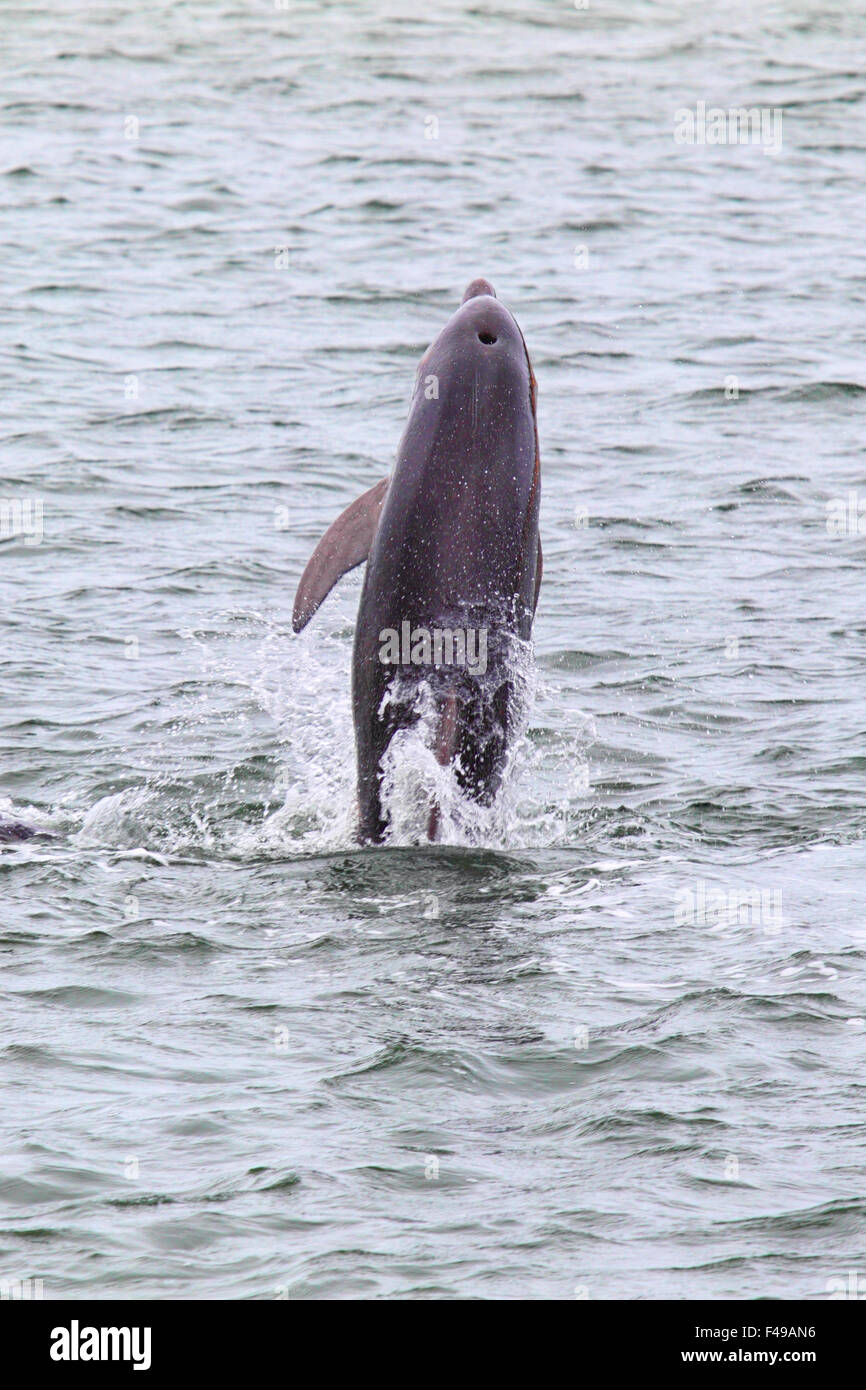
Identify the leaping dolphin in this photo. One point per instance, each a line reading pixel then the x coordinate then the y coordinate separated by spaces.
pixel 453 560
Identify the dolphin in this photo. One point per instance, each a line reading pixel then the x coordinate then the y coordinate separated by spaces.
pixel 453 562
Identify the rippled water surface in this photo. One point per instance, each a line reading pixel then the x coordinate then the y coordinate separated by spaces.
pixel 612 1045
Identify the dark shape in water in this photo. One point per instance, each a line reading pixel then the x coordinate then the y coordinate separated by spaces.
pixel 11 830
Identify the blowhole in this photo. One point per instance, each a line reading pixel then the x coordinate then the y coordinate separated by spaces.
pixel 487 338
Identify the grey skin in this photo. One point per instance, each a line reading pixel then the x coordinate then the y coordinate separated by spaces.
pixel 451 542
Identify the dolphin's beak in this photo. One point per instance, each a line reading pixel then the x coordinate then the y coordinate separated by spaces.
pixel 476 287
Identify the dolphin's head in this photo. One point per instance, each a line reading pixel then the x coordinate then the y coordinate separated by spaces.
pixel 482 342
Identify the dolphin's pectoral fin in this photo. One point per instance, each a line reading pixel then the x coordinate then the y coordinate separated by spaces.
pixel 344 545
pixel 538 569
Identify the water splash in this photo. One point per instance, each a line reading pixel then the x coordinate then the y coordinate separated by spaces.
pixel 258 760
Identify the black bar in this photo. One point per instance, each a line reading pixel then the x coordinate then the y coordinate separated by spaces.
pixel 233 1338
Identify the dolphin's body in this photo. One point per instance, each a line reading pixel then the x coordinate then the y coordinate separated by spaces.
pixel 451 544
